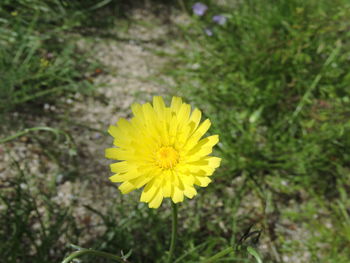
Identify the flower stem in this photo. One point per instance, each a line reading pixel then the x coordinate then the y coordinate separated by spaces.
pixel 95 253
pixel 173 231
pixel 218 255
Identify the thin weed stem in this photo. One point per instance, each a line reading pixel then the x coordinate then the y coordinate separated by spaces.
pixel 173 231
pixel 95 253
pixel 218 255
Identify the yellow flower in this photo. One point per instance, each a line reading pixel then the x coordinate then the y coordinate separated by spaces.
pixel 161 148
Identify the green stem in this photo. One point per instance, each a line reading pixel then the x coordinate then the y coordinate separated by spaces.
pixel 173 231
pixel 95 253
pixel 218 255
pixel 25 131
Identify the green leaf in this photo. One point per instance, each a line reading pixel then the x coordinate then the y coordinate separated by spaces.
pixel 255 254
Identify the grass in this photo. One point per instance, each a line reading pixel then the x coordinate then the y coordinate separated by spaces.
pixel 38 60
pixel 30 227
pixel 274 82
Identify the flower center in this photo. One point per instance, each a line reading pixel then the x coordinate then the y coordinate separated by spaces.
pixel 167 157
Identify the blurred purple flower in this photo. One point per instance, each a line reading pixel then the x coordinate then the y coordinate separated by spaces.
pixel 219 19
pixel 199 8
pixel 208 32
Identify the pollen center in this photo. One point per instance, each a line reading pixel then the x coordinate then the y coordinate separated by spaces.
pixel 167 157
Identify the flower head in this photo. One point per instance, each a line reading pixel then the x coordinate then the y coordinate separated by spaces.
pixel 219 19
pixel 199 9
pixel 161 149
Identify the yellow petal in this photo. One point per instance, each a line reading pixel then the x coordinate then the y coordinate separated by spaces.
pixel 120 167
pixel 203 128
pixel 177 195
pixel 214 162
pixel 173 129
pixel 175 180
pixel 157 200
pixel 138 120
pixel 198 133
pixel 118 178
pixel 182 136
pixel 202 148
pixel 187 179
pixel 183 114
pixel 112 130
pixel 190 192
pixel 166 184
pixel 151 121
pixel 210 161
pixel 175 104
pixel 149 114
pixel 202 181
pixel 136 109
pixel 117 154
pixel 149 191
pixel 159 106
pixel 195 119
pixel 195 170
pixel 120 139
pixel 167 189
pixel 207 142
pixel 126 187
pixel 125 126
pixel 140 181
